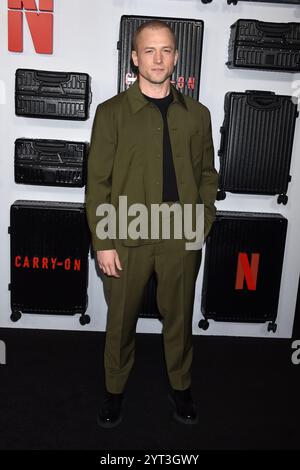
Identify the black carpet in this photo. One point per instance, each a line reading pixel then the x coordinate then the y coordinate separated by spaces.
pixel 51 386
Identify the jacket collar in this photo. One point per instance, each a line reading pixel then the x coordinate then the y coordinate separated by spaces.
pixel 138 101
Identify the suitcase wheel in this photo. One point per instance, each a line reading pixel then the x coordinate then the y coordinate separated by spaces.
pixel 15 316
pixel 84 319
pixel 221 195
pixel 272 327
pixel 282 199
pixel 203 324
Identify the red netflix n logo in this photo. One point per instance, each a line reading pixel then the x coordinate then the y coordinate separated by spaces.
pixel 40 22
pixel 246 271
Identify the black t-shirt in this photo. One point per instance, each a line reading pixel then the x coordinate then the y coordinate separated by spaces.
pixel 170 191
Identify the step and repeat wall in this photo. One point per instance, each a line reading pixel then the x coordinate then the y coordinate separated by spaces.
pixel 242 60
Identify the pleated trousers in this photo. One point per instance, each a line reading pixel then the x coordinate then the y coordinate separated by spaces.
pixel 176 269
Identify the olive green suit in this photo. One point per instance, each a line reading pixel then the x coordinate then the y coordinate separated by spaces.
pixel 126 158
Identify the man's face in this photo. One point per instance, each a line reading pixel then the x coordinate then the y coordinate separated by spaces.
pixel 156 55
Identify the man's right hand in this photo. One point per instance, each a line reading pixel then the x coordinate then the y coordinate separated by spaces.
pixel 109 262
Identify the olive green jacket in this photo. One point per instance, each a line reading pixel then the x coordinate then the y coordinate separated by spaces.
pixel 126 156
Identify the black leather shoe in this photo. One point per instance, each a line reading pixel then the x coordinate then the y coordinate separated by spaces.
pixel 109 414
pixel 185 411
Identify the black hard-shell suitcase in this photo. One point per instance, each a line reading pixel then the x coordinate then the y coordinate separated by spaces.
pixel 242 269
pixel 189 35
pixel 50 162
pixel 293 2
pixel 49 258
pixel 256 143
pixel 52 95
pixel 264 46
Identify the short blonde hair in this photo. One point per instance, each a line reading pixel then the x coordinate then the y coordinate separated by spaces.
pixel 155 24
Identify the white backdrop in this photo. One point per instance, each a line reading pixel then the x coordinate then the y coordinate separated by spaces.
pixel 85 39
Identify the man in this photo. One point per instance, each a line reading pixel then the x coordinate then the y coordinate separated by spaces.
pixel 151 144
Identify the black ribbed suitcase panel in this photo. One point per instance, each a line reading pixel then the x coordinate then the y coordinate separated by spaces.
pixel 189 34
pixel 50 162
pixel 52 95
pixel 257 142
pixel 49 257
pixel 264 45
pixel 250 233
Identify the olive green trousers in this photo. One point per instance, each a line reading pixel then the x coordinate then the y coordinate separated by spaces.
pixel 176 269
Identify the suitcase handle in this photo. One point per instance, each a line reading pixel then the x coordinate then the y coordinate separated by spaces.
pixel 222 143
pixel 263 100
pixel 274 30
pixel 52 77
pixel 260 92
pixel 52 80
pixel 59 88
pixel 49 147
